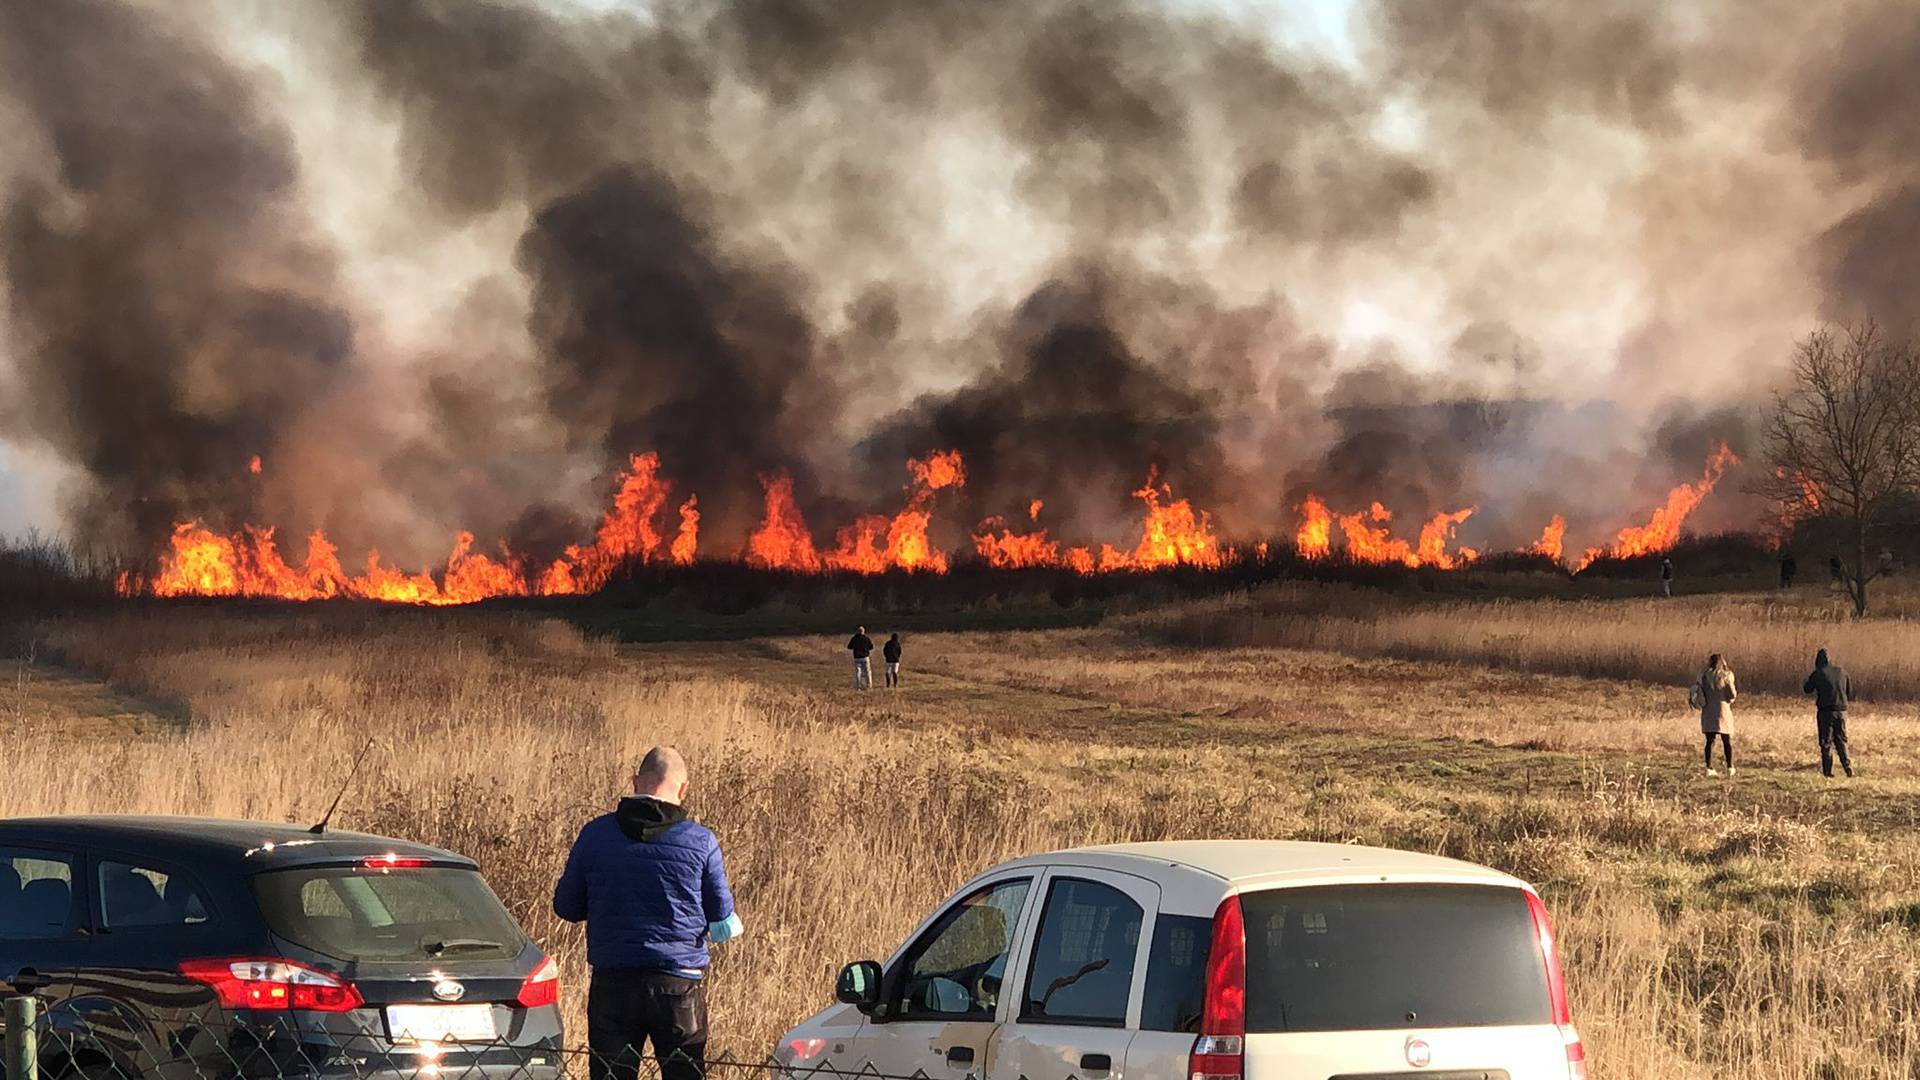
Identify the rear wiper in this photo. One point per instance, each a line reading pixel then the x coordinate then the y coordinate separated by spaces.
pixel 438 948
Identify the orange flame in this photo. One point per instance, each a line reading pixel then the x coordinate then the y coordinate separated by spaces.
pixel 782 541
pixel 1370 540
pixel 1804 504
pixel 1434 537
pixel 1009 550
pixel 249 563
pixel 1315 538
pixel 199 561
pixel 253 464
pixel 626 532
pixel 1662 530
pixel 1373 543
pixel 204 564
pixel 941 469
pixel 686 543
pixel 1553 539
pixel 858 546
pixel 1173 534
pixel 473 577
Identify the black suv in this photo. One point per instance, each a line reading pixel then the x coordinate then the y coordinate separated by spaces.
pixel 198 948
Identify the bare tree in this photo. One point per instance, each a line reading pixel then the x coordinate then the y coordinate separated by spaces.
pixel 1846 431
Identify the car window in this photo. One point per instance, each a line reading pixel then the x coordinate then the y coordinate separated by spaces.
pixel 955 969
pixel 1082 970
pixel 356 913
pixel 1382 956
pixel 144 896
pixel 1176 973
pixel 36 895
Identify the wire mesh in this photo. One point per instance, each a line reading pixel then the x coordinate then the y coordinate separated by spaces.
pixel 214 1045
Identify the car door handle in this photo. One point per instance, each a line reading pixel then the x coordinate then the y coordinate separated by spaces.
pixel 960 1055
pixel 1097 1062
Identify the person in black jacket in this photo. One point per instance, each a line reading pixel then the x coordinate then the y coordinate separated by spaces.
pixel 1831 690
pixel 862 648
pixel 890 652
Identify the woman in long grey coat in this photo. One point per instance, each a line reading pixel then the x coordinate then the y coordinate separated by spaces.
pixel 1716 695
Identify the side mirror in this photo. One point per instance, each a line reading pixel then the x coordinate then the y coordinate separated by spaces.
pixel 859 985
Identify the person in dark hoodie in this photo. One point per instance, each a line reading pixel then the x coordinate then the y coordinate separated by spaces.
pixel 1831 690
pixel 652 888
pixel 891 653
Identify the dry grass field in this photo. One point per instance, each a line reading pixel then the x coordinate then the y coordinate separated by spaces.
pixel 1764 927
pixel 1770 636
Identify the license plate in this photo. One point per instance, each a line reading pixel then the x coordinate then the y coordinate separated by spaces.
pixel 441 1023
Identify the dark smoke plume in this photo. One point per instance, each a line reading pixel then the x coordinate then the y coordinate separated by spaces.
pixel 650 338
pixel 1859 118
pixel 659 326
pixel 1070 415
pixel 1072 238
pixel 174 312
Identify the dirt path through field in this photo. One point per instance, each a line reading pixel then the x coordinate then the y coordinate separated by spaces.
pixel 39 700
pixel 1322 715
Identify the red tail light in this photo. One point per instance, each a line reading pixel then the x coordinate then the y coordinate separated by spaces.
pixel 542 987
pixel 390 861
pixel 1557 990
pixel 244 983
pixel 1223 1016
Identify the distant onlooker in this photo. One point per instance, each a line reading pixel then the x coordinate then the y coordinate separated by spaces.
pixel 1713 694
pixel 862 647
pixel 1837 570
pixel 890 652
pixel 1666 576
pixel 1788 568
pixel 1831 690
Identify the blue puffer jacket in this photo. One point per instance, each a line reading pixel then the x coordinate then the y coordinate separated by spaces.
pixel 648 881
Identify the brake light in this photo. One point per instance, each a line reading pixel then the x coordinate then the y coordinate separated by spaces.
pixel 242 983
pixel 1223 1015
pixel 391 861
pixel 542 987
pixel 1557 989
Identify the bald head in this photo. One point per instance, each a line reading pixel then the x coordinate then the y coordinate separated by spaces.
pixel 662 774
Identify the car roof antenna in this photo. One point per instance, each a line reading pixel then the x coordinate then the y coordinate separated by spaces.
pixel 321 825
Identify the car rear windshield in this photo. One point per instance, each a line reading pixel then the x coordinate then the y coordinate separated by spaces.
pixel 1367 957
pixel 360 914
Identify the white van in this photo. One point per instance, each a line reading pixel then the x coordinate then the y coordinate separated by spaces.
pixel 1211 960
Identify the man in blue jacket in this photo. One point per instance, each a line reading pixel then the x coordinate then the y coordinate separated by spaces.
pixel 649 882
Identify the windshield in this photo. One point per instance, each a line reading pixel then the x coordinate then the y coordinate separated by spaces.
pixel 1367 957
pixel 354 913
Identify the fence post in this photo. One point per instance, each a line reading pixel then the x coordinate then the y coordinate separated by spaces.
pixel 23 1051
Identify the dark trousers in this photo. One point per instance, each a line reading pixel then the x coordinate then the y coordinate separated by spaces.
pixel 628 1009
pixel 1833 738
pixel 1726 748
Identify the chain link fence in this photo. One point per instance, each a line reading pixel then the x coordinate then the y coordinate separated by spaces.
pixel 70 1045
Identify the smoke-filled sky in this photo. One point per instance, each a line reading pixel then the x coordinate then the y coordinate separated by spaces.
pixel 445 263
